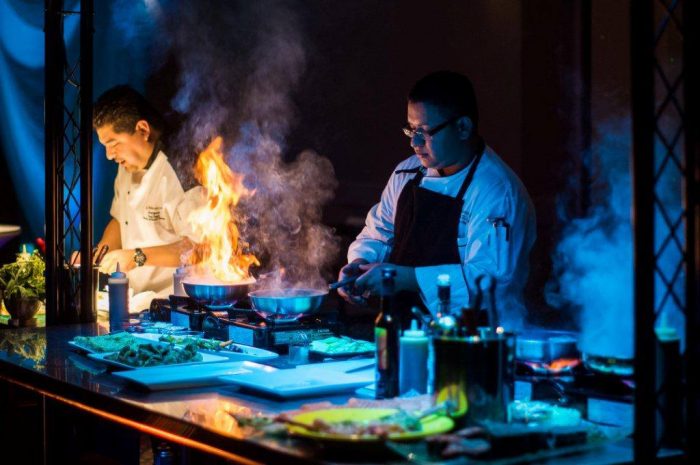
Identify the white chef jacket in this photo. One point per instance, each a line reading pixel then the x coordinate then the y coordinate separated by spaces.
pixel 150 213
pixel 495 192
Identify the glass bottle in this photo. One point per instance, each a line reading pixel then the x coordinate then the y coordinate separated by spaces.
pixel 387 329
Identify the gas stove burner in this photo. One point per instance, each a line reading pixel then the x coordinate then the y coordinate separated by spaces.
pixel 558 367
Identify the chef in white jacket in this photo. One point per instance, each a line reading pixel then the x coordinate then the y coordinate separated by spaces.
pixel 454 207
pixel 148 232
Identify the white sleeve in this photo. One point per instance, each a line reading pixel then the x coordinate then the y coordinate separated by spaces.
pixel 114 210
pixel 188 202
pixel 377 237
pixel 487 250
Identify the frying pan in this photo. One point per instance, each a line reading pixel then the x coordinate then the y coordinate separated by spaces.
pixel 286 304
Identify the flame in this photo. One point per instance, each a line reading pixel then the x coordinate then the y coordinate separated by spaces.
pixel 221 250
pixel 563 364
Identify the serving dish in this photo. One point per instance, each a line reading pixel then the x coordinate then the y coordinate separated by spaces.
pixel 434 424
pixel 206 358
pixel 232 351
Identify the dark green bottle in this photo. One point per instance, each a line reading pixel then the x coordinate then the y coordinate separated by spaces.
pixel 387 329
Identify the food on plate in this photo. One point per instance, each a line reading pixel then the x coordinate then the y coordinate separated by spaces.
pixel 341 345
pixel 147 355
pixel 542 413
pixel 394 423
pixel 105 342
pixel 202 343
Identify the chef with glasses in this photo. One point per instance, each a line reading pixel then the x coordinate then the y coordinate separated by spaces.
pixel 453 207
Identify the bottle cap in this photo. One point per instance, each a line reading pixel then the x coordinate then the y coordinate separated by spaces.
pixel 118 273
pixel 443 280
pixel 414 331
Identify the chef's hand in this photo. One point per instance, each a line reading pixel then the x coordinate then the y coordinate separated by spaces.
pixel 125 258
pixel 371 280
pixel 349 292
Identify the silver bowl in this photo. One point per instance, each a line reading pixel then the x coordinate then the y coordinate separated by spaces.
pixel 286 303
pixel 216 294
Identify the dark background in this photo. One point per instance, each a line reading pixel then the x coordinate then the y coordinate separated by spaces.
pixel 528 64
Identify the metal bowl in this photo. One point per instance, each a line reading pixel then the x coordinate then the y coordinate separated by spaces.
pixel 216 294
pixel 545 346
pixel 286 303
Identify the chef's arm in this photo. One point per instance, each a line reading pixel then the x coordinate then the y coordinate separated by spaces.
pixel 166 255
pixel 161 255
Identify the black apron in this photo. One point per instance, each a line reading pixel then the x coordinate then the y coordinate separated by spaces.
pixel 425 231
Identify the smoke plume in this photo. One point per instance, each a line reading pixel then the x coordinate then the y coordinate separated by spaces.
pixel 593 269
pixel 239 64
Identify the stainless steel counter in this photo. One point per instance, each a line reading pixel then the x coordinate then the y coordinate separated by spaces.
pixel 40 360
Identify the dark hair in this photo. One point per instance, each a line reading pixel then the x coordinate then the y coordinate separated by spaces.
pixel 123 107
pixel 449 91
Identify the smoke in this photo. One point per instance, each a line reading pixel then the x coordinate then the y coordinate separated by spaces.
pixel 136 21
pixel 239 64
pixel 593 262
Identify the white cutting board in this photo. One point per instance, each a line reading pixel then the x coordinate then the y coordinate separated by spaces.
pixel 305 380
pixel 176 377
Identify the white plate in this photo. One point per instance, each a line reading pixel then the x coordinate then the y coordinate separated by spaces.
pixel 248 353
pixel 206 358
pixel 304 380
pixel 173 377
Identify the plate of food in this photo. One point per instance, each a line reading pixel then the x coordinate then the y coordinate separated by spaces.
pixel 341 347
pixel 367 425
pixel 102 344
pixel 228 349
pixel 150 354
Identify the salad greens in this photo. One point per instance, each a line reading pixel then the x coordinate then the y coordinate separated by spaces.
pixel 24 277
pixel 146 355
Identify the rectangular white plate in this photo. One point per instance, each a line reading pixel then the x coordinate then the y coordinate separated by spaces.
pixel 173 377
pixel 81 347
pixel 248 353
pixel 206 358
pixel 304 380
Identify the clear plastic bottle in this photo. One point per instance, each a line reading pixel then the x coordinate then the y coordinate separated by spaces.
pixel 413 360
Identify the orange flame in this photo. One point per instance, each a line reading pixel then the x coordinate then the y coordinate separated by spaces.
pixel 221 250
pixel 563 364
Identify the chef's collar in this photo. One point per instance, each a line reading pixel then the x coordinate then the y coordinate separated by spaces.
pixel 156 148
pixel 480 148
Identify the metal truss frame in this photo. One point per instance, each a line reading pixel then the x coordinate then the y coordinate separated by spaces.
pixel 68 155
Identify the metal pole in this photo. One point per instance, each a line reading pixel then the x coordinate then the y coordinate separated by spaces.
pixel 53 151
pixel 691 49
pixel 87 290
pixel 586 125
pixel 643 102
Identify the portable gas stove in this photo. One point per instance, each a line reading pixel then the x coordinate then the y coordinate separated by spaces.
pixel 549 368
pixel 240 323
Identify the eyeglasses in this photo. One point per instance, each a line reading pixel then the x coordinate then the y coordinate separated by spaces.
pixel 427 134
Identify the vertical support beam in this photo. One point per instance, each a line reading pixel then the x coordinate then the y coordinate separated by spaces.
pixel 691 50
pixel 87 291
pixel 585 180
pixel 643 125
pixel 53 150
